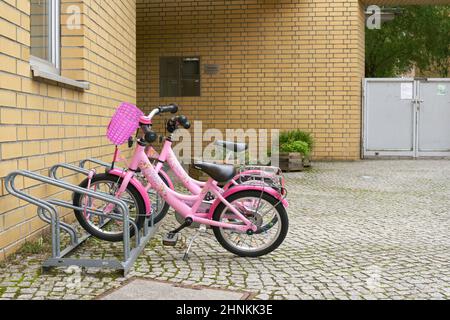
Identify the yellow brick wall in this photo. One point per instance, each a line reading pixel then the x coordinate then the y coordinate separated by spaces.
pixel 283 64
pixel 42 124
pixel 403 2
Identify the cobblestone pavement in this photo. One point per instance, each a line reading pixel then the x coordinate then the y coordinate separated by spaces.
pixel 364 230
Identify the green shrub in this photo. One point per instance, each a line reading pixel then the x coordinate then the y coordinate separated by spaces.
pixel 296 141
pixel 296 146
pixel 297 135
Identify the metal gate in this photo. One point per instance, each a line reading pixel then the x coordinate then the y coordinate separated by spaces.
pixel 406 118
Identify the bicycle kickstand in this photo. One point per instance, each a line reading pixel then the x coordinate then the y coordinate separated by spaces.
pixel 201 229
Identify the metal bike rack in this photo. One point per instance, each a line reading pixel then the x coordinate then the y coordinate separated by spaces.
pixel 95 161
pixel 47 212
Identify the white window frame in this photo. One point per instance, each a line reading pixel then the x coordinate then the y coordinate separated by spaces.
pixel 53 65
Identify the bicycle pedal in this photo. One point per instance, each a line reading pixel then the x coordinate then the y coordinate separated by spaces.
pixel 171 239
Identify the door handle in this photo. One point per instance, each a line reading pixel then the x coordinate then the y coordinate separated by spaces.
pixel 417 103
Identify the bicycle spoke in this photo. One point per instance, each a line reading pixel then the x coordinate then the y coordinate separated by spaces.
pixel 103 223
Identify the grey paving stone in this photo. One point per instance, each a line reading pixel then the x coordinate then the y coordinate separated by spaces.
pixel 350 238
pixel 152 290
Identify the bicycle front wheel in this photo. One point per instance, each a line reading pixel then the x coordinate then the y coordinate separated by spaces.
pixel 101 227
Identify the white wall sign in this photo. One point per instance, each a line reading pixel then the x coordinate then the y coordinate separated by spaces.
pixel 442 90
pixel 407 91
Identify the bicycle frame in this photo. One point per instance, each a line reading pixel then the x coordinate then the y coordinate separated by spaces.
pixel 186 205
pixel 195 187
pixel 168 156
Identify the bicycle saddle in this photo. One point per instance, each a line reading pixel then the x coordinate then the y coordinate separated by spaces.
pixel 220 173
pixel 231 146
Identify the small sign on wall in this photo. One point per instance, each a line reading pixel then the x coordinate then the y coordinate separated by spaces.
pixel 212 69
pixel 442 90
pixel 407 91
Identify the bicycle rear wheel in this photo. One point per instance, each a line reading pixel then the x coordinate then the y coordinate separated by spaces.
pixel 262 209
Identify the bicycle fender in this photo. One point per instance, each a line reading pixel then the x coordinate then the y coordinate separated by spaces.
pixel 135 182
pixel 237 189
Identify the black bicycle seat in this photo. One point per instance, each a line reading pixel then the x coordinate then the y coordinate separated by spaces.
pixel 231 146
pixel 220 173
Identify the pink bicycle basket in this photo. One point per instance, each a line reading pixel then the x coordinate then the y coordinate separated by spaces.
pixel 124 123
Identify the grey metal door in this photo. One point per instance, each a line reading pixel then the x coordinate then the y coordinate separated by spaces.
pixel 389 118
pixel 434 118
pixel 406 118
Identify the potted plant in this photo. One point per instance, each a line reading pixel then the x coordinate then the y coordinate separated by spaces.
pixel 295 150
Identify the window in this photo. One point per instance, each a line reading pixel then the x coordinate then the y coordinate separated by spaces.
pixel 179 77
pixel 45 34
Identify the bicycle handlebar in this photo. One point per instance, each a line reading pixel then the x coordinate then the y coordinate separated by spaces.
pixel 172 108
pixel 150 136
pixel 183 120
pixel 175 122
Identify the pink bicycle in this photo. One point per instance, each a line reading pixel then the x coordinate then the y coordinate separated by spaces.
pixel 270 177
pixel 240 216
